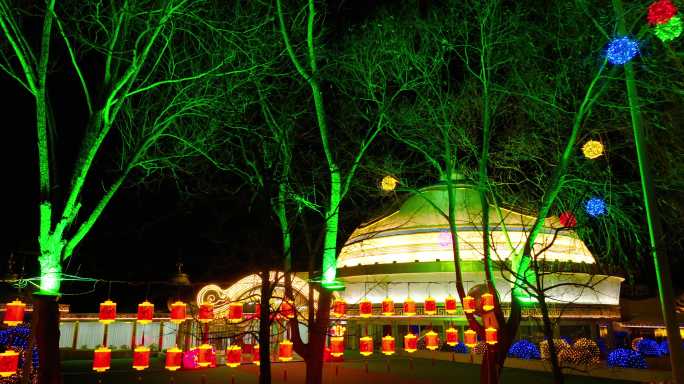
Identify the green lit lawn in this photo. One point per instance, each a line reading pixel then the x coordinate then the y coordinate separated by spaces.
pixel 352 372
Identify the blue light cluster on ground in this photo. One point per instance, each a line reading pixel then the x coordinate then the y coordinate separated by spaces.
pixel 460 348
pixel 626 358
pixel 18 339
pixel 649 347
pixel 524 349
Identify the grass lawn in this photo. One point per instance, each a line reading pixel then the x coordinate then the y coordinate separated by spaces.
pixel 395 370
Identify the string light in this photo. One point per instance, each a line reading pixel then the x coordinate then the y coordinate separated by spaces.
pixel 524 349
pixel 592 149
pixel 621 50
pixel 625 358
pixel 670 30
pixel 559 344
pixel 583 352
pixel 595 207
pixel 568 219
pixel 660 12
pixel 388 183
pixel 649 348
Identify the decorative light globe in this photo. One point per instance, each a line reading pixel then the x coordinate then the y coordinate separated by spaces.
pixel 592 149
pixel 595 207
pixel 621 50
pixel 670 30
pixel 660 12
pixel 388 183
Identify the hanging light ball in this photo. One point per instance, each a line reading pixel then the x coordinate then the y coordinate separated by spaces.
pixel 173 358
pixel 491 336
pixel 9 360
pixel 409 307
pixel 660 12
pixel 256 358
pixel 670 30
pixel 336 346
pixel 285 350
pixel 621 50
pixel 14 313
pixel 206 312
pixel 451 336
pixel 430 306
pixel 592 149
pixel 145 312
pixel 233 356
pixel 431 340
pixel 204 355
pixel 287 309
pixel 366 346
pixel 365 308
pixel 595 207
pixel 410 342
pixel 469 304
pixel 102 359
pixel 388 345
pixel 235 310
pixel 107 313
pixel 178 312
pixel 450 305
pixel 388 183
pixel 487 300
pixel 141 358
pixel 388 307
pixel 568 219
pixel 470 338
pixel 339 308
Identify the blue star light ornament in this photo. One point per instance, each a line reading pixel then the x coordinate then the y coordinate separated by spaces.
pixel 620 50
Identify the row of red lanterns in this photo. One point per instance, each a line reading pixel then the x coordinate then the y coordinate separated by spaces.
pixel 429 306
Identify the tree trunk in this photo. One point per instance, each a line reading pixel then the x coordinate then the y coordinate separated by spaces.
pixel 265 330
pixel 45 327
pixel 490 370
pixel 548 331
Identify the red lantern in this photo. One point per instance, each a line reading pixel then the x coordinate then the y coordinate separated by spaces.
pixel 285 350
pixel 107 312
pixel 410 343
pixel 567 219
pixel 366 346
pixel 487 301
pixel 173 358
pixel 451 336
pixel 388 345
pixel 450 305
pixel 287 309
pixel 204 355
pixel 660 12
pixel 365 308
pixel 145 312
pixel 431 340
pixel 491 336
pixel 388 307
pixel 430 306
pixel 9 360
pixel 178 312
pixel 233 356
pixel 470 338
pixel 14 313
pixel 102 359
pixel 337 346
pixel 141 358
pixel 468 304
pixel 256 359
pixel 409 307
pixel 257 310
pixel 339 308
pixel 206 312
pixel 235 312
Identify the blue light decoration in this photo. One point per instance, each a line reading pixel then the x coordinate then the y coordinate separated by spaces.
pixel 626 358
pixel 595 207
pixel 460 348
pixel 524 349
pixel 649 348
pixel 621 50
pixel 18 338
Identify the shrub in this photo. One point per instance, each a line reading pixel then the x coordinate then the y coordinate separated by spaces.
pixel 582 352
pixel 560 345
pixel 524 349
pixel 649 348
pixel 626 358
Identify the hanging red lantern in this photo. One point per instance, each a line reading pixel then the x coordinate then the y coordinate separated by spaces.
pixel 365 308
pixel 450 305
pixel 339 308
pixel 145 312
pixel 14 313
pixel 107 312
pixel 430 306
pixel 568 219
pixel 204 355
pixel 366 346
pixel 256 358
pixel 141 358
pixel 337 346
pixel 205 314
pixel 451 336
pixel 470 338
pixel 410 343
pixel 178 312
pixel 431 340
pixel 285 350
pixel 491 336
pixel 174 357
pixel 287 309
pixel 388 345
pixel 235 312
pixel 409 307
pixel 388 307
pixel 102 359
pixel 468 304
pixel 233 356
pixel 487 302
pixel 9 360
